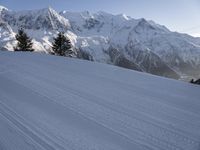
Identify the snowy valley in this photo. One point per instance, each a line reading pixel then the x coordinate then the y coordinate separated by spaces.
pixel 120 40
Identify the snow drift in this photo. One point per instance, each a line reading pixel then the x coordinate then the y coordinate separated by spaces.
pixel 56 103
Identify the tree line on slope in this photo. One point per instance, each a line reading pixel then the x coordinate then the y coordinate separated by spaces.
pixel 61 46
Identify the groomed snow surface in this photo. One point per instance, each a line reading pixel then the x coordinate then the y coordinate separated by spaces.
pixel 57 103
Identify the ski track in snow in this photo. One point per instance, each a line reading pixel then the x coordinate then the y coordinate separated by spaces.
pixel 55 103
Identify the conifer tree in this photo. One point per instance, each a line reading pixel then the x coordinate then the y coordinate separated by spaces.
pixel 24 43
pixel 62 46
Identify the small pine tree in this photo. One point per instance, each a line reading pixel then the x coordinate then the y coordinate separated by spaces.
pixel 195 82
pixel 24 42
pixel 62 46
pixel 192 81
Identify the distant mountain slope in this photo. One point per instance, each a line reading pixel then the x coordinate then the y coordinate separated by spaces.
pixel 57 103
pixel 142 45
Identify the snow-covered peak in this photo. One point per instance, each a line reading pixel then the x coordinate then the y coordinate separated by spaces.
pixel 145 24
pixel 124 16
pixel 46 18
pixel 103 13
pixel 159 26
pixel 100 23
pixel 2 8
pixel 76 16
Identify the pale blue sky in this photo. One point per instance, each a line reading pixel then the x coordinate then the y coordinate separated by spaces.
pixel 177 15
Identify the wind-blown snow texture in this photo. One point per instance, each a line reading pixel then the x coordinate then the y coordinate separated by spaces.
pixel 114 39
pixel 54 103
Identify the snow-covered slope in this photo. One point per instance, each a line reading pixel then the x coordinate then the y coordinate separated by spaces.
pixel 139 44
pixel 56 103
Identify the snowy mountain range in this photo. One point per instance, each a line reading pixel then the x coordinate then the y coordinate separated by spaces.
pixel 136 44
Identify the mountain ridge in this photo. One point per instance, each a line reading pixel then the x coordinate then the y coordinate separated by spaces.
pixel 151 47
